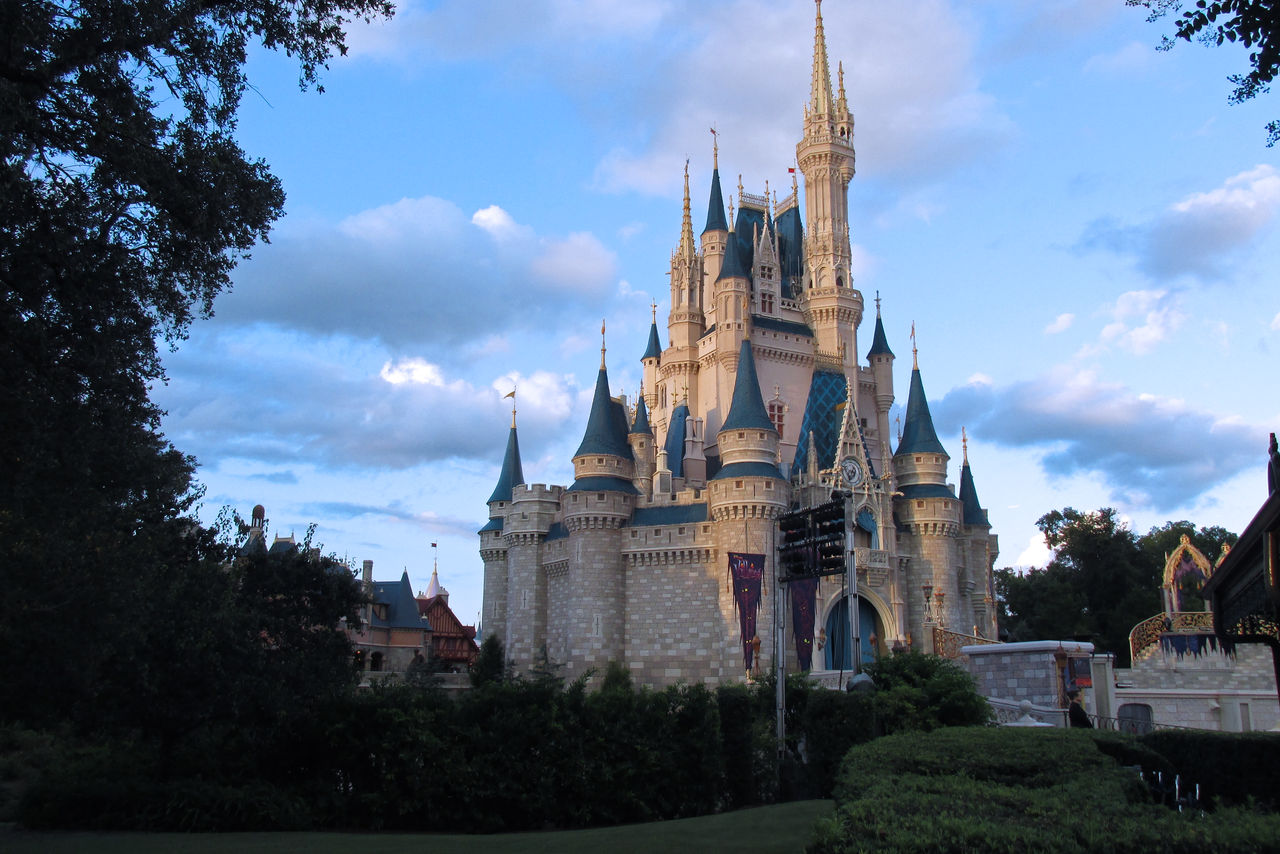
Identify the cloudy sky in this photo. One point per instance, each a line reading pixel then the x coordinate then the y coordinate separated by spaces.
pixel 1082 230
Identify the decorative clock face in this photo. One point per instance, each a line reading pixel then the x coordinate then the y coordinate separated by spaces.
pixel 851 470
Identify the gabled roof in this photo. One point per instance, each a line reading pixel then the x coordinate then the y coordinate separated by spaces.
pixel 973 512
pixel 675 439
pixel 715 206
pixel 402 606
pixel 654 350
pixel 879 343
pixel 606 425
pixel 746 411
pixel 512 474
pixel 641 425
pixel 918 435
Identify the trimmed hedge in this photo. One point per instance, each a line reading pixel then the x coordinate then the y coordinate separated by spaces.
pixel 1015 790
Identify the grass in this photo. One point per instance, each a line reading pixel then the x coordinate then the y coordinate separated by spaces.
pixel 781 828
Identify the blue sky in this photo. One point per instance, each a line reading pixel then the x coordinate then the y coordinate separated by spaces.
pixel 1082 230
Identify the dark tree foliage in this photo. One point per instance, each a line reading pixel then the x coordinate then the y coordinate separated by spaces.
pixel 1252 23
pixel 125 202
pixel 1102 581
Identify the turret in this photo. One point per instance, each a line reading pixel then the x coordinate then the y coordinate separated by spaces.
pixel 604 460
pixel 687 320
pixel 493 539
pixel 833 309
pixel 747 440
pixel 652 360
pixel 716 233
pixel 643 448
pixel 881 358
pixel 919 459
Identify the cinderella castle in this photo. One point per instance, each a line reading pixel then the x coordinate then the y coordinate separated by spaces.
pixel 663 551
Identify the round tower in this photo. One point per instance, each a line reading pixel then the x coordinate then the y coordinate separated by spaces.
pixel 745 498
pixel 643 449
pixel 493 544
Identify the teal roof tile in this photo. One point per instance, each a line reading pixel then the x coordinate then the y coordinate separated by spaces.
pixel 672 514
pixel 603 483
pixel 402 607
pixel 822 417
pixel 654 350
pixel 606 425
pixel 734 265
pixel 918 435
pixel 675 440
pixel 512 475
pixel 926 490
pixel 746 410
pixel 715 206
pixel 491 525
pixel 753 469
pixel 879 343
pixel 973 512
pixel 641 425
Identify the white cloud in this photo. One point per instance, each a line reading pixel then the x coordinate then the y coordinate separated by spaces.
pixel 499 223
pixel 1275 322
pixel 1037 553
pixel 1203 235
pixel 1060 324
pixel 1143 319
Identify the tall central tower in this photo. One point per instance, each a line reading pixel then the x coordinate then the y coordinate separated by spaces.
pixel 832 307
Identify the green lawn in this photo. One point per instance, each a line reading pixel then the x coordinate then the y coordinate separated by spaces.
pixel 779 828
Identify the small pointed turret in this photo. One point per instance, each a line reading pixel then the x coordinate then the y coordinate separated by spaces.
pixel 746 411
pixel 879 343
pixel 512 475
pixel 641 423
pixel 654 348
pixel 674 445
pixel 918 435
pixel 733 265
pixel 973 512
pixel 688 248
pixel 715 206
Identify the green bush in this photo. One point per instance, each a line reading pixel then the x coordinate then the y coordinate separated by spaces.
pixel 921 692
pixel 833 722
pixel 1015 790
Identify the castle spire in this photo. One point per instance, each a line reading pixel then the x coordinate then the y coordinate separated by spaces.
pixel 688 249
pixel 972 512
pixel 879 341
pixel 746 410
pixel 715 205
pixel 820 87
pixel 918 435
pixel 512 474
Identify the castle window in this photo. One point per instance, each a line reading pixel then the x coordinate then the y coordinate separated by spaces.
pixel 777 414
pixel 920 505
pixel 742 434
pixel 599 496
pixel 839 281
pixel 599 461
pixel 706 529
pixel 768 485
pixel 680 531
pixel 737 484
pixel 919 459
pixel 634 534
pixel 766 302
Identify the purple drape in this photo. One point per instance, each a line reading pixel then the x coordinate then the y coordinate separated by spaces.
pixel 804 593
pixel 747 571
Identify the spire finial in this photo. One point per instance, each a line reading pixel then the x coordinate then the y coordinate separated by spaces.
pixel 820 90
pixel 795 185
pixel 602 344
pixel 512 394
pixel 877 303
pixel 654 308
pixel 964 444
pixel 715 148
pixel 740 188
pixel 731 214
pixel 915 359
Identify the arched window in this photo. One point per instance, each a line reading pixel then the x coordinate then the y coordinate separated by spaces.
pixel 1135 718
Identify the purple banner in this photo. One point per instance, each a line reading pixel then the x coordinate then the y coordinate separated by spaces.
pixel 804 593
pixel 747 571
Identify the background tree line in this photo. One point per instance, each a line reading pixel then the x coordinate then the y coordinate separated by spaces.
pixel 1102 581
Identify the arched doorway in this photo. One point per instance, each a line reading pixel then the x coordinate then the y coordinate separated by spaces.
pixel 838 652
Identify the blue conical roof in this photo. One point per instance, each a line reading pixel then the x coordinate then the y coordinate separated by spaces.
pixel 641 424
pixel 746 411
pixel 675 439
pixel 973 512
pixel 918 435
pixel 879 344
pixel 512 475
pixel 654 350
pixel 606 426
pixel 734 265
pixel 715 207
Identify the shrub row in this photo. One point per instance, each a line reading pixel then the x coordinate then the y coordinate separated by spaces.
pixel 989 789
pixel 1231 768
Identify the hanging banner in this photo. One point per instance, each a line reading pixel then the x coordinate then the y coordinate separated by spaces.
pixel 804 594
pixel 747 572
